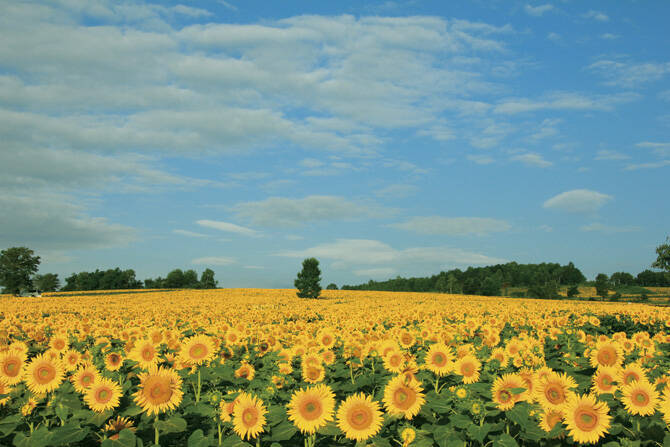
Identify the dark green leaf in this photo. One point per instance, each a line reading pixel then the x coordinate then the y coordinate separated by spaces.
pixel 479 433
pixel 283 431
pixel 460 420
pixel 329 429
pixel 198 439
pixel 173 425
pixel 70 433
pixel 505 440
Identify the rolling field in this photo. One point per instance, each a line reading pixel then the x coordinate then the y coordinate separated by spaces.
pixel 239 367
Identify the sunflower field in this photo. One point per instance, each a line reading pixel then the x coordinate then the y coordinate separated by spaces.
pixel 250 367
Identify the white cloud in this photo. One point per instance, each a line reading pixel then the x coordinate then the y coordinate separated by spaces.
pixel 214 260
pixel 611 155
pixel 609 36
pixel 188 233
pixel 650 165
pixel 564 101
pixel 554 37
pixel 228 227
pixel 533 160
pixel 481 159
pixel 456 226
pixel 289 212
pixel 396 191
pixel 359 252
pixel 601 228
pixel 538 10
pixel 596 15
pixel 628 74
pixel 546 228
pixel 578 201
pixel 660 149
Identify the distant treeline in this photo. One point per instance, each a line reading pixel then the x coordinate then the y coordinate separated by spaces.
pixel 114 279
pixel 542 280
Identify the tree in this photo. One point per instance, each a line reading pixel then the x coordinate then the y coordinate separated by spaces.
pixel 602 285
pixel 619 279
pixel 175 279
pixel 441 284
pixel 662 261
pixel 308 279
pixel 491 285
pixel 191 280
pixel 207 280
pixel 17 265
pixel 331 286
pixel 573 291
pixel 48 282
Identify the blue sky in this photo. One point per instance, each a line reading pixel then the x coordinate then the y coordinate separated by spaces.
pixel 383 138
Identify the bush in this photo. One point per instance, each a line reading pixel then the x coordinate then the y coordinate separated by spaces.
pixel 331 286
pixel 308 280
pixel 573 291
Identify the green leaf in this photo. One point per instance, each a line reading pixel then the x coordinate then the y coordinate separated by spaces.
pixel 202 409
pixel 283 431
pixel 234 441
pixel 9 424
pixel 479 433
pixel 70 433
pixel 98 419
pixel 330 429
pixel 666 440
pixel 460 420
pixel 175 424
pixel 380 442
pixel 198 439
pixel 612 444
pixel 133 410
pixel 505 440
pixel 276 414
pixel 517 390
pixel 126 439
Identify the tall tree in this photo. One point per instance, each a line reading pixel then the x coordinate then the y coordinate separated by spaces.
pixel 207 280
pixel 662 261
pixel 17 265
pixel 175 279
pixel 48 282
pixel 602 285
pixel 308 280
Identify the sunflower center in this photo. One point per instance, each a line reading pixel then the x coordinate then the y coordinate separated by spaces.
pixel 439 359
pixel 198 351
pixel 45 374
pixel 403 398
pixel 641 398
pixel 606 356
pixel 11 368
pixel 326 340
pixel 59 344
pixel 114 359
pixel 629 377
pixel 395 360
pixel 158 392
pixel 586 419
pixel 504 396
pixel 360 417
pixel 313 373
pixel 554 395
pixel 87 379
pixel 468 369
pixel 148 353
pixel 311 410
pixel 249 417
pixel 103 395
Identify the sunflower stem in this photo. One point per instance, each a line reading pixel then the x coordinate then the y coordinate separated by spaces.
pixel 258 442
pixel 218 426
pixel 437 383
pixel 351 372
pixel 197 393
pixel 156 434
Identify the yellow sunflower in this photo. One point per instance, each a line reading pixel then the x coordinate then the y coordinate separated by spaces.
pixel 59 343
pixel 506 391
pixel 113 361
pixel 554 391
pixel 159 391
pixel 394 361
pixel 311 408
pixel 665 406
pixel 4 389
pixel 639 397
pixel 103 395
pixel 43 374
pixel 145 353
pixel 85 376
pixel 468 367
pixel 359 417
pixel 197 350
pixel 604 380
pixel 245 371
pixel 116 425
pixel 313 373
pixel 631 373
pixel 326 338
pixel 403 397
pixel 248 416
pixel 606 353
pixel 12 365
pixel 586 419
pixel 439 359
pixel 549 418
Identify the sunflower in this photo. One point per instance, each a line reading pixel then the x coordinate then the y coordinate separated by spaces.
pixel 84 378
pixel 113 361
pixel 103 395
pixel 43 374
pixel 248 416
pixel 586 419
pixel 118 424
pixel 439 359
pixel 606 353
pixel 311 408
pixel 407 435
pixel 406 339
pixel 159 390
pixel 59 343
pixel 554 391
pixel 226 407
pixel 631 373
pixel 4 389
pixel 359 417
pixel 403 397
pixel 394 361
pixel 313 373
pixel 245 371
pixel 639 397
pixel 12 365
pixel 71 359
pixel 549 418
pixel 145 354
pixel 328 357
pixel 505 391
pixel 326 338
pixel 665 406
pixel 197 350
pixel 499 355
pixel 468 367
pixel 604 380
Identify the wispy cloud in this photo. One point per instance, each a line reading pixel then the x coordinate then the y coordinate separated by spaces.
pixel 650 165
pixel 628 74
pixel 564 101
pixel 455 226
pixel 227 227
pixel 605 154
pixel 596 15
pixel 602 228
pixel 538 10
pixel 533 160
pixel 481 159
pixel 660 149
pixel 190 233
pixel 214 260
pixel 579 201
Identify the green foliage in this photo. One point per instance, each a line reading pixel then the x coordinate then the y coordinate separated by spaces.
pixel 17 265
pixel 573 291
pixel 308 279
pixel 544 290
pixel 331 286
pixel 602 285
pixel 48 282
pixel 662 261
pixel 111 279
pixel 207 280
pixel 491 286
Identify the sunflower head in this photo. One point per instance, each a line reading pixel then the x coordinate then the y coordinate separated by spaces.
pixel 403 397
pixel 359 417
pixel 248 416
pixel 311 408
